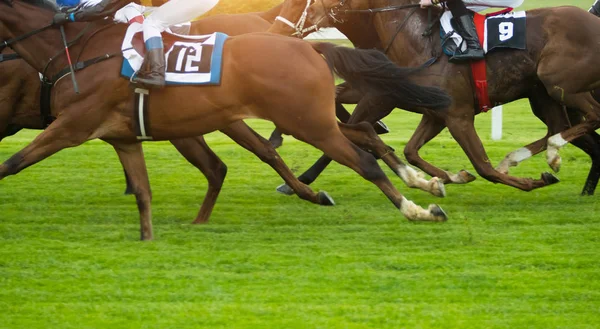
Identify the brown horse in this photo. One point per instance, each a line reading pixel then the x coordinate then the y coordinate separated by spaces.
pixel 538 76
pixel 22 111
pixel 194 150
pixel 254 65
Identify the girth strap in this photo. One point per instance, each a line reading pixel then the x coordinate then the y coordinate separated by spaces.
pixel 9 57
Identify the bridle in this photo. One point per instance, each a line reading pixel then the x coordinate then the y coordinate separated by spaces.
pixel 299 26
pixel 337 9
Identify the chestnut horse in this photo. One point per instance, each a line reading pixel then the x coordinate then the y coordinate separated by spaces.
pixel 22 111
pixel 538 76
pixel 254 66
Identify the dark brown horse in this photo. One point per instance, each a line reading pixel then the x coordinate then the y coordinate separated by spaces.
pixel 257 81
pixel 538 76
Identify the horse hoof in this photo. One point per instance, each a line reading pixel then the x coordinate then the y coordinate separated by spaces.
pixel 200 221
pixel 285 189
pixel 437 187
pixel 438 214
pixel 381 128
pixel 555 163
pixel 325 199
pixel 549 179
pixel 466 176
pixel 276 141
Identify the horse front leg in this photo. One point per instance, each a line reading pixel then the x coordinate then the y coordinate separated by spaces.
pixel 59 135
pixel 463 130
pixel 427 129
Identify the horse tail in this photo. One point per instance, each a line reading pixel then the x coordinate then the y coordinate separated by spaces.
pixel 371 71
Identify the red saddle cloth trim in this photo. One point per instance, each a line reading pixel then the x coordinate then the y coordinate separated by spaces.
pixel 479 68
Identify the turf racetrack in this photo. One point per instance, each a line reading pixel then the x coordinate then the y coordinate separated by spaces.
pixel 70 258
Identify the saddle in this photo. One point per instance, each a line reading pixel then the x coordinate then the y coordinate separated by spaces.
pixel 190 60
pixel 503 29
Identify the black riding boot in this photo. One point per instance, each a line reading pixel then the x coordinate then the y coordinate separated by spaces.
pixel 465 26
pixel 595 8
pixel 152 72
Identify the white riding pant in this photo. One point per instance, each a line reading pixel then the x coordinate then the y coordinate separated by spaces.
pixel 481 5
pixel 174 12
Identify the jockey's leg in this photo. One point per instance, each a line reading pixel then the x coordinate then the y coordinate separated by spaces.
pixel 595 9
pixel 464 25
pixel 173 12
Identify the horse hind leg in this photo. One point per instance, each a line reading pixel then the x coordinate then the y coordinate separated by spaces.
pixel 340 149
pixel 253 142
pixel 196 151
pixel 589 108
pixel 590 144
pixel 553 115
pixel 364 135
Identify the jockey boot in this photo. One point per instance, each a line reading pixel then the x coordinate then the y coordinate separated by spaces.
pixel 465 26
pixel 595 8
pixel 152 73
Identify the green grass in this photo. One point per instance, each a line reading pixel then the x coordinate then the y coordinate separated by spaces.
pixel 69 255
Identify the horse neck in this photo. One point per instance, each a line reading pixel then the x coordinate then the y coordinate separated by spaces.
pixel 408 47
pixel 361 32
pixel 23 18
pixel 39 48
pixel 270 14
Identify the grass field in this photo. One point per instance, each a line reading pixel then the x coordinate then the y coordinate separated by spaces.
pixel 70 258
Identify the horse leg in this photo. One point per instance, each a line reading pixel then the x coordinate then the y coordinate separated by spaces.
pixel 427 129
pixel 364 135
pixel 131 156
pixel 196 151
pixel 276 138
pixel 588 106
pixel 463 130
pixel 340 149
pixel 253 142
pixel 55 138
pixel 590 144
pixel 552 114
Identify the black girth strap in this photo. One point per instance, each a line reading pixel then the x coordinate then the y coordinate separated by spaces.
pixel 8 57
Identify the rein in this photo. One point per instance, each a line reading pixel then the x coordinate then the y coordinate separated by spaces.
pixel 299 26
pixel 379 10
pixel 9 57
pixel 8 43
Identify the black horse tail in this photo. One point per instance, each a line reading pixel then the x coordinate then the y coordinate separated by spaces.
pixel 370 71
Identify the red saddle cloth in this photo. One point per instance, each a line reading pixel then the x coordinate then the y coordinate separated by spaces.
pixel 479 68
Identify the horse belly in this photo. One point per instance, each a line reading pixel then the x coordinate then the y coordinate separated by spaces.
pixel 181 112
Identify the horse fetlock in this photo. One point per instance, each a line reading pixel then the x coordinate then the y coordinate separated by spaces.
pixel 513 159
pixel 437 187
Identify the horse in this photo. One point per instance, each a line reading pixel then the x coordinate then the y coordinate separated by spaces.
pixel 22 111
pixel 194 150
pixel 254 65
pixel 546 85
